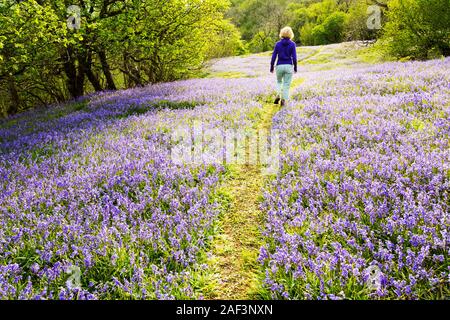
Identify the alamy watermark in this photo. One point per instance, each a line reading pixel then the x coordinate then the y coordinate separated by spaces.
pixel 74 17
pixel 374 278
pixel 374 19
pixel 194 144
pixel 74 280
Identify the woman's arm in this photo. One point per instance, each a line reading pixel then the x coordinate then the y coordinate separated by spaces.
pixel 274 57
pixel 294 57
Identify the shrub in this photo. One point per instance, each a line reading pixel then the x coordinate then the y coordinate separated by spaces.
pixel 418 28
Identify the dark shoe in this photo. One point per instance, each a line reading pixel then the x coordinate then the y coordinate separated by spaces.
pixel 283 102
pixel 277 100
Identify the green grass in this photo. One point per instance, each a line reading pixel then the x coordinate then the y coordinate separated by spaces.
pixel 203 281
pixel 297 81
pixel 227 75
pixel 158 105
pixel 318 59
pixel 369 55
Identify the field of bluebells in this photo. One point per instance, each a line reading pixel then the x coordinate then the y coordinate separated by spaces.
pixel 360 209
pixel 92 205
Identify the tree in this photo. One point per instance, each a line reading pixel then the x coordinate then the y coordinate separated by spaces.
pixel 260 20
pixel 164 40
pixel 417 28
pixel 86 46
pixel 225 41
pixel 331 30
pixel 29 34
pixel 356 26
pixel 140 41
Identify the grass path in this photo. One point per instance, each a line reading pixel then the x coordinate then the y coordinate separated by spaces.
pixel 236 249
pixel 311 55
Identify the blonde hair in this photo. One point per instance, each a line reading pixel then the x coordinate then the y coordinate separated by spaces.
pixel 287 32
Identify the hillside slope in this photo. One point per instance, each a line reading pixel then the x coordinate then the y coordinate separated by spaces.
pixel 126 194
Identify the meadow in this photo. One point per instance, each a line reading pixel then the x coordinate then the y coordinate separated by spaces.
pixel 93 206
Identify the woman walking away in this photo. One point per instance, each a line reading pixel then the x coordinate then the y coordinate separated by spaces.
pixel 286 51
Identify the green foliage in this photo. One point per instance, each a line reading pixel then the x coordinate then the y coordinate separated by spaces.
pixel 330 31
pixel 254 16
pixel 125 42
pixel 259 21
pixel 261 42
pixel 173 39
pixel 356 26
pixel 314 21
pixel 226 41
pixel 417 29
pixel 26 28
pixel 29 36
pixel 330 21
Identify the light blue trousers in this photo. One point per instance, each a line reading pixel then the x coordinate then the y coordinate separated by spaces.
pixel 284 79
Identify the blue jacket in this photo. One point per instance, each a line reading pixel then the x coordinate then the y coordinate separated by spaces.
pixel 286 51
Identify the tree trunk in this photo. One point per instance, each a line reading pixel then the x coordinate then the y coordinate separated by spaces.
pixel 133 75
pixel 93 79
pixel 106 70
pixel 87 68
pixel 381 4
pixel 445 49
pixel 14 95
pixel 80 82
pixel 75 74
